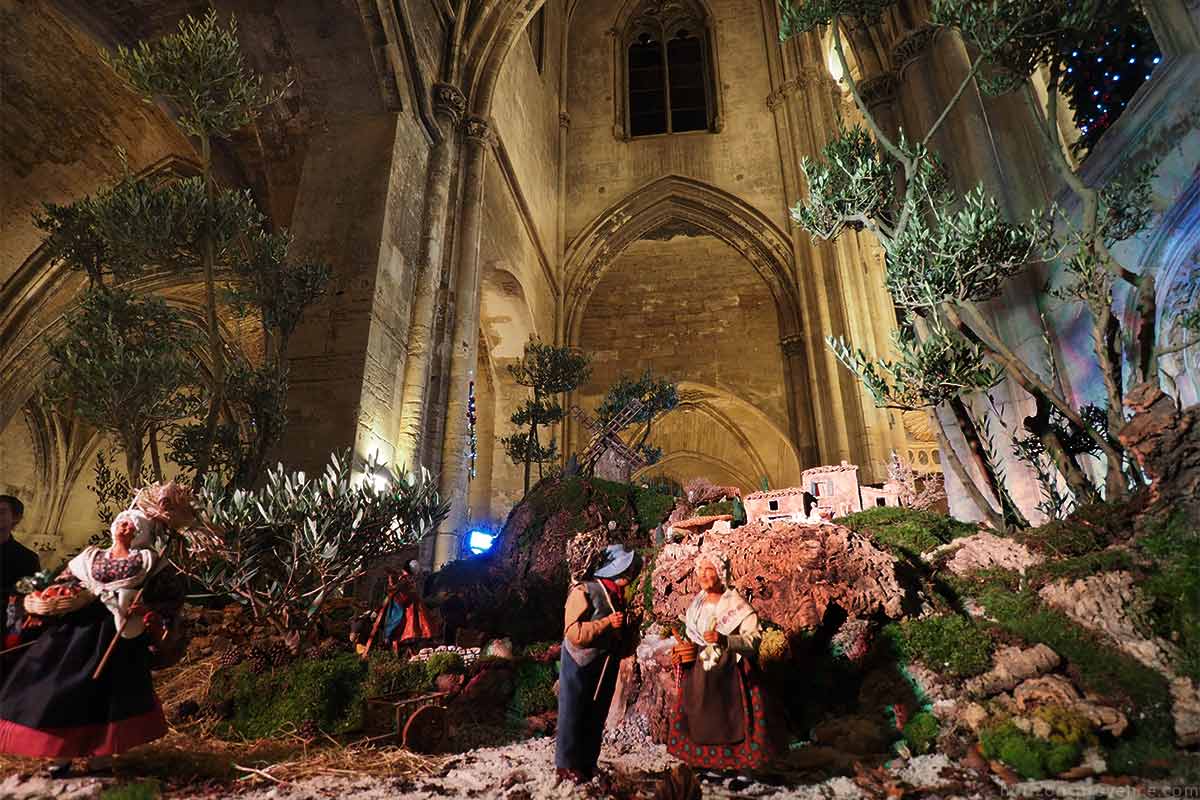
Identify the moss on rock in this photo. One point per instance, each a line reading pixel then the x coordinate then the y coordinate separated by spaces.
pixel 950 644
pixel 328 692
pixel 921 732
pixel 906 532
pixel 533 692
pixel 1031 757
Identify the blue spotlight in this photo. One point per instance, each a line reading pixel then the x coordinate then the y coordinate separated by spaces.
pixel 480 541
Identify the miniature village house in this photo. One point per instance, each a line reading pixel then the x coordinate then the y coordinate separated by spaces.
pixel 833 488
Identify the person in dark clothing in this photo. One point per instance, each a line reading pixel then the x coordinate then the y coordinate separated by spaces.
pixel 16 562
pixel 594 635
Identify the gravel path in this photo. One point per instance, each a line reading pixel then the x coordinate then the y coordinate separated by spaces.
pixel 525 771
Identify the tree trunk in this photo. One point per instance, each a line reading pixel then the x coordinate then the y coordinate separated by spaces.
pixel 532 443
pixel 980 331
pixel 993 519
pixel 1106 339
pixel 1011 515
pixel 208 260
pixel 154 457
pixel 134 447
pixel 1039 425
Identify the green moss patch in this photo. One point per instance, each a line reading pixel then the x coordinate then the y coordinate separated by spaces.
pixel 1031 757
pixel 1087 530
pixel 533 690
pixel 715 509
pixel 905 532
pixel 1174 589
pixel 652 508
pixel 328 692
pixel 921 732
pixel 950 644
pixel 388 674
pixel 1080 566
pixel 443 664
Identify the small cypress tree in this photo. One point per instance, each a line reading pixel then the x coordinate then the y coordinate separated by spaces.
pixel 547 371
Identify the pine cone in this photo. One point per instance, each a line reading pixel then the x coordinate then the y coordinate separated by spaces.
pixel 231 657
pixel 259 659
pixel 278 654
pixel 309 729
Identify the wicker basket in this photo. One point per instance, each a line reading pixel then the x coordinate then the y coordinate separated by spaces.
pixel 57 606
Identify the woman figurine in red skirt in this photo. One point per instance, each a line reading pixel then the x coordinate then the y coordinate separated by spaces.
pixel 54 704
pixel 720 720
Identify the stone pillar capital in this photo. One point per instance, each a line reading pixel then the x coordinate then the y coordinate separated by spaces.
pixel 449 101
pixel 878 90
pixel 912 45
pixel 792 345
pixel 479 130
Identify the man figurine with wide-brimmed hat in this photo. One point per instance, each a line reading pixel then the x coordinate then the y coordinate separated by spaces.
pixel 593 641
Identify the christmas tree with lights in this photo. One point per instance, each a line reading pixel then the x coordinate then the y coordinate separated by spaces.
pixel 1103 67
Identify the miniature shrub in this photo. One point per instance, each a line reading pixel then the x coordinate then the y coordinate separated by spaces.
pixel 442 663
pixel 652 507
pixel 533 690
pixel 921 732
pixel 950 644
pixel 1030 756
pixel 326 691
pixel 388 674
pixel 906 532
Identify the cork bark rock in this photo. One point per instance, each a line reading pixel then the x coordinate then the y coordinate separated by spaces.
pixel 1055 690
pixel 1166 443
pixel 986 551
pixel 791 573
pixel 1010 667
pixel 1110 604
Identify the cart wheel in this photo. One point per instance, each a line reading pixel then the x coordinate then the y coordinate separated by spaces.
pixel 426 729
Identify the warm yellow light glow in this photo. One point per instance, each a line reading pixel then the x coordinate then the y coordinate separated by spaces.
pixel 835 65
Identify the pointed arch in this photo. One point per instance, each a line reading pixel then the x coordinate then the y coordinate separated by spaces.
pixel 674 198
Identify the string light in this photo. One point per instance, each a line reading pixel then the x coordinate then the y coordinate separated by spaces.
pixel 474 444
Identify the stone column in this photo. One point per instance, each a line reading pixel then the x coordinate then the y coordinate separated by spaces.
pixel 464 342
pixel 339 218
pixel 448 106
pixel 804 421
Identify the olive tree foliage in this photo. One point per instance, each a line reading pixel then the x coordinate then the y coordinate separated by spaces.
pixel 191 225
pixel 120 366
pixel 657 395
pixel 949 254
pixel 284 549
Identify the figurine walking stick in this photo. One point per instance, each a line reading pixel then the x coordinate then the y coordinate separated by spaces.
pixel 116 637
pixel 387 598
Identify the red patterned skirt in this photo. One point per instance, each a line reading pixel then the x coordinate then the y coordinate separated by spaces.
pixel 751 741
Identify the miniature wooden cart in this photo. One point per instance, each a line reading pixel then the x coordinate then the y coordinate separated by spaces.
pixel 417 720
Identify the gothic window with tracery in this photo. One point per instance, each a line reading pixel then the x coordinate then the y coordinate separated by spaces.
pixel 668 67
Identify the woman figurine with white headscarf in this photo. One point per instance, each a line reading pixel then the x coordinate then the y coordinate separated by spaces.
pixel 63 700
pixel 720 719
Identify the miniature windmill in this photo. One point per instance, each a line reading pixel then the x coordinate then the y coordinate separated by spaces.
pixel 605 438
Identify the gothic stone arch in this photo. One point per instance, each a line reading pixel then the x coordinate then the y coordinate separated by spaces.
pixel 675 198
